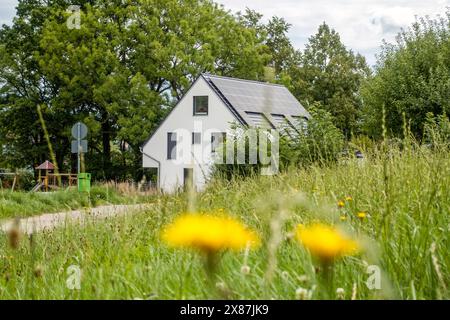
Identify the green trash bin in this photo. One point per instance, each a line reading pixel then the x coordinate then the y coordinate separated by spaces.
pixel 84 182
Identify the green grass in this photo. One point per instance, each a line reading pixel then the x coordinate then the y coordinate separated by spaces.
pixel 24 204
pixel 406 195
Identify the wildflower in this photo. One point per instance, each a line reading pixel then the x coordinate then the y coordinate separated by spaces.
pixel 340 293
pixel 221 286
pixel 325 242
pixel 348 198
pixel 340 204
pixel 245 270
pixel 302 294
pixel 343 218
pixel 361 215
pixel 208 233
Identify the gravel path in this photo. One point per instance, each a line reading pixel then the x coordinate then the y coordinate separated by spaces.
pixel 51 221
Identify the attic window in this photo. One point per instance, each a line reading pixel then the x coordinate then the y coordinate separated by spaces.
pixel 200 105
pixel 259 120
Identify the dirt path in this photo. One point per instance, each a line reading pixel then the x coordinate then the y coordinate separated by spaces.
pixel 51 221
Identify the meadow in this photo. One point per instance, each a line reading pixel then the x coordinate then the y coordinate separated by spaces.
pixel 395 203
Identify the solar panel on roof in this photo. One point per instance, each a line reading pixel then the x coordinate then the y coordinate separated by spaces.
pixel 257 97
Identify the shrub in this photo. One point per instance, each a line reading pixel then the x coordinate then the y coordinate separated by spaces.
pixel 319 141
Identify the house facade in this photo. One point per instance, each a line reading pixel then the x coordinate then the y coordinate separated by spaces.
pixel 183 146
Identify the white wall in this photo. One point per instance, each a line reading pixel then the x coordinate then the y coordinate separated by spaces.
pixel 181 118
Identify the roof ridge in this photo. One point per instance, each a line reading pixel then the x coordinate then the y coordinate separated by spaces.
pixel 206 74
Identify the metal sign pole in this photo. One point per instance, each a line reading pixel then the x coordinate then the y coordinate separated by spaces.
pixel 79 147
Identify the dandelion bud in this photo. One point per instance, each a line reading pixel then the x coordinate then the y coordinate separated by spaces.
pixel 221 286
pixel 290 236
pixel 340 293
pixel 245 270
pixel 38 271
pixel 14 235
pixel 301 294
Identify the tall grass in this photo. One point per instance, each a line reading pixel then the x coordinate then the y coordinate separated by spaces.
pixel 404 191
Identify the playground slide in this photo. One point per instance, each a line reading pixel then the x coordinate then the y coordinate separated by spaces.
pixel 37 187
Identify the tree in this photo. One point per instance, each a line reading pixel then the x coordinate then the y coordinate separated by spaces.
pixel 330 74
pixel 412 79
pixel 274 34
pixel 120 72
pixel 23 88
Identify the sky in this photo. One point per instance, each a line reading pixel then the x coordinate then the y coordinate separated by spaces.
pixel 362 24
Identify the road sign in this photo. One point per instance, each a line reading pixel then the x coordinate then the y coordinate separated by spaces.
pixel 79 146
pixel 79 131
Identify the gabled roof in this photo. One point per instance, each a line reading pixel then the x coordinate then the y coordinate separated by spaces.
pixel 252 103
pixel 47 165
pixel 255 102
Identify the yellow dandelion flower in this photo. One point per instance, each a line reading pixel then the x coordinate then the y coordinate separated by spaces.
pixel 361 215
pixel 341 204
pixel 348 198
pixel 208 233
pixel 325 242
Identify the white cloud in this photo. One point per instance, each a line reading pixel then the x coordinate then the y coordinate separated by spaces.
pixel 362 24
pixel 7 11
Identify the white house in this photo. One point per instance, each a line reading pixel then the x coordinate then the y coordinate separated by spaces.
pixel 181 147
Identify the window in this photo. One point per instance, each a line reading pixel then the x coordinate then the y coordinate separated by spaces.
pixel 217 138
pixel 196 138
pixel 201 106
pixel 171 146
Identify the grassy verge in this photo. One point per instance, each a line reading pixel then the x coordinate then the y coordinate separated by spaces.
pixel 405 235
pixel 24 204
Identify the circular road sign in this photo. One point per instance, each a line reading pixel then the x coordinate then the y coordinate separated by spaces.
pixel 79 131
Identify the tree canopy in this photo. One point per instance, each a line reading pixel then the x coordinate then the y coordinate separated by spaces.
pixel 412 79
pixel 120 72
pixel 330 74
